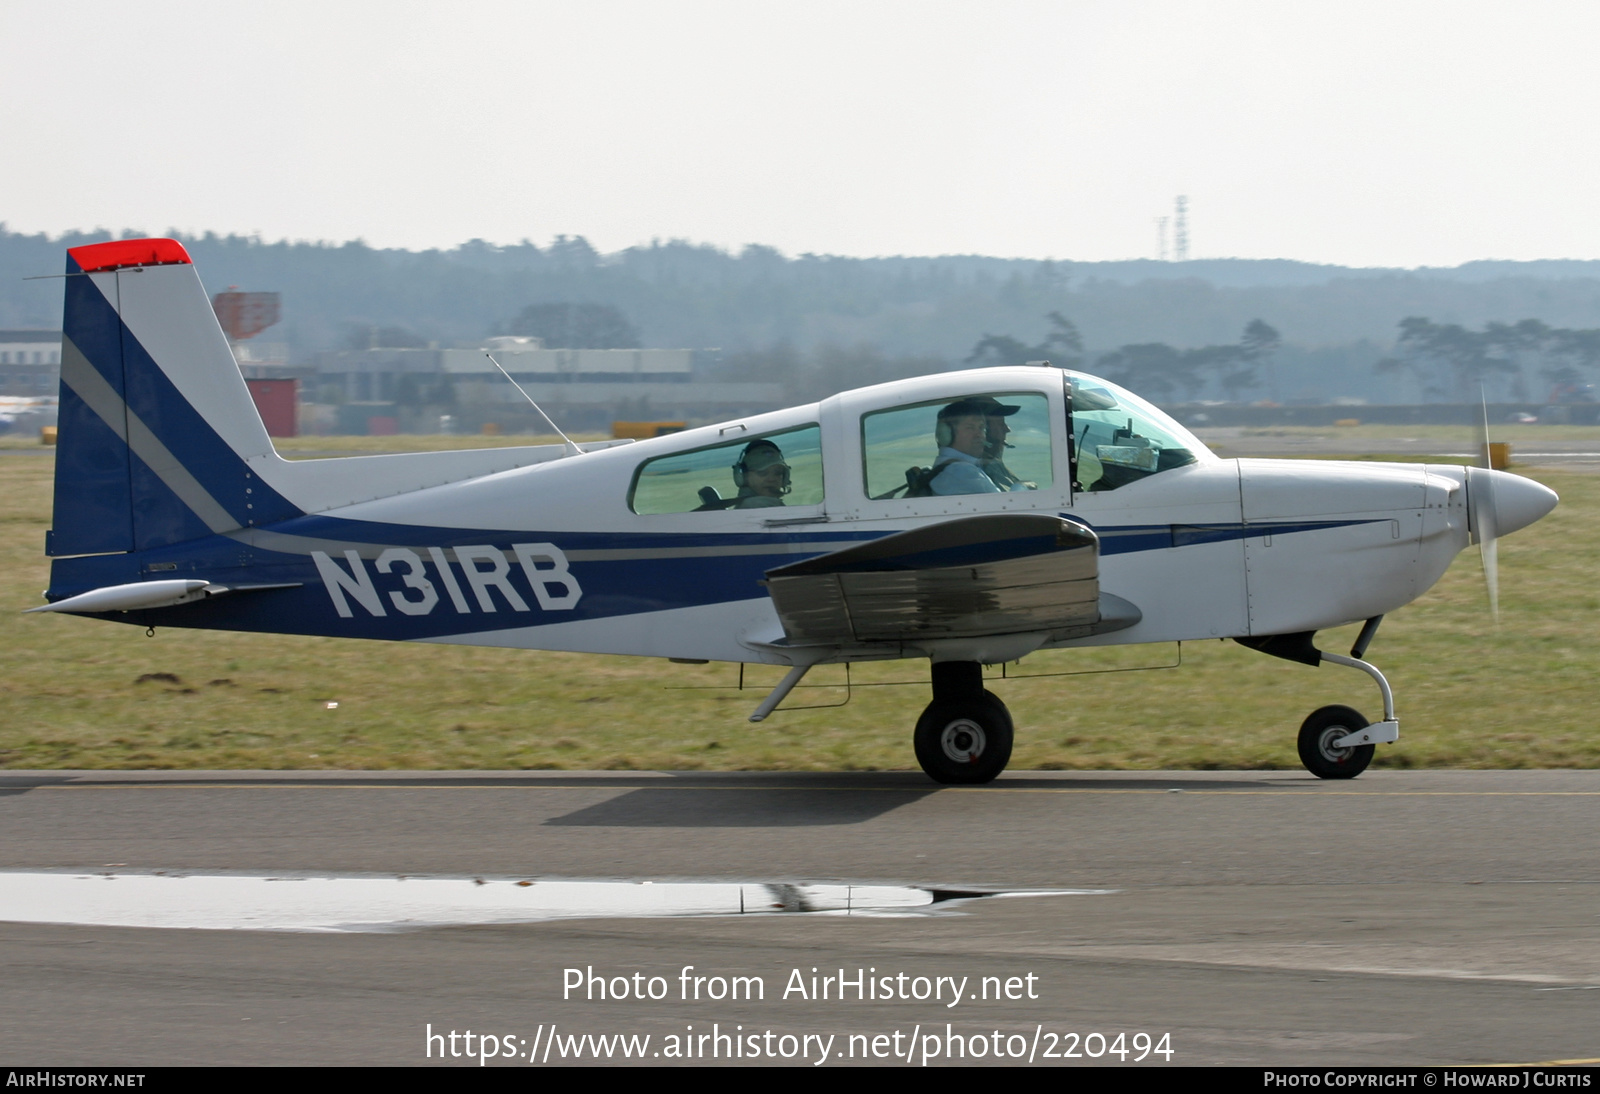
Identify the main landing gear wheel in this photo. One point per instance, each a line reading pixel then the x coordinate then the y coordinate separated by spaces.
pixel 964 740
pixel 1317 734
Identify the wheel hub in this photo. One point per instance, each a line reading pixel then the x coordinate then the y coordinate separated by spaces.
pixel 963 741
pixel 1326 746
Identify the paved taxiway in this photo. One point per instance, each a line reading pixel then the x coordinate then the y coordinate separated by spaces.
pixel 1236 442
pixel 1262 917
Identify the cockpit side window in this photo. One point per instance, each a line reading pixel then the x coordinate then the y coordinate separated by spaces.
pixel 1119 439
pixel 765 472
pixel 974 444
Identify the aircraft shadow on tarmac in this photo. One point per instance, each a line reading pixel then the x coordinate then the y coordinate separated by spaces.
pixel 15 786
pixel 816 799
pixel 740 807
pixel 688 798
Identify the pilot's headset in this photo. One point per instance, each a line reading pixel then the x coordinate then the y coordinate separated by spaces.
pixel 980 406
pixel 755 448
pixel 944 434
pixel 976 407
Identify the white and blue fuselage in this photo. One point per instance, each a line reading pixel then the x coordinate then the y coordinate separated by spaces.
pixel 167 474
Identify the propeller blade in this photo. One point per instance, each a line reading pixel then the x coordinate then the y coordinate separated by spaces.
pixel 1491 575
pixel 1483 516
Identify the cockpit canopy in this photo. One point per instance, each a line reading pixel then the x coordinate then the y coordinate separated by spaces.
pixel 1012 432
pixel 1119 438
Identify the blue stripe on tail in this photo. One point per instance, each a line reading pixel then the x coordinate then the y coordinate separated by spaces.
pixel 93 496
pixel 137 466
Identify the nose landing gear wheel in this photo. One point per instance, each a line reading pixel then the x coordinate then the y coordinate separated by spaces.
pixel 964 740
pixel 1317 734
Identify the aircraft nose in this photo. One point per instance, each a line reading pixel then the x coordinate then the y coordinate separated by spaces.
pixel 1518 502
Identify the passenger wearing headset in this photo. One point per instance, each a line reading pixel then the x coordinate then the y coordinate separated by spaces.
pixel 962 434
pixel 761 475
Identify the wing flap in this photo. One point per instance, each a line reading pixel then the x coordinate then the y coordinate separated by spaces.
pixel 1005 574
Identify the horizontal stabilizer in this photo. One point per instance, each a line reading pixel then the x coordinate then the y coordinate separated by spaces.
pixel 990 575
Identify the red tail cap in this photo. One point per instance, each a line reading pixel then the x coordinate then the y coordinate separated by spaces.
pixel 129 252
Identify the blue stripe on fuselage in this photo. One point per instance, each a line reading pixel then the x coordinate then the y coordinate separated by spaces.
pixel 638 572
pixel 1128 538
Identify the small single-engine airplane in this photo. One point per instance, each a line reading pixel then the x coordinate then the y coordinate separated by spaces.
pixel 969 518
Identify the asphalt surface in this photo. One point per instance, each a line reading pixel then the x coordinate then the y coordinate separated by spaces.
pixel 1261 918
pixel 1256 918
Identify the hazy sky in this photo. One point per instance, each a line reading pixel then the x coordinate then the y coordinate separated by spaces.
pixel 1400 132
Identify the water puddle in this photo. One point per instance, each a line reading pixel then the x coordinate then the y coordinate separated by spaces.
pixel 321 903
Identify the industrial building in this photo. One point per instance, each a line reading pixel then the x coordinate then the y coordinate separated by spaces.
pixel 450 390
pixel 583 389
pixel 30 362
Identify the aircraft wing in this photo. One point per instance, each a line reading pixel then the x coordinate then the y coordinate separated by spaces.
pixel 1009 573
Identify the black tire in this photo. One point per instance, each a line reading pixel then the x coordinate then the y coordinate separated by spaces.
pixel 964 741
pixel 1324 726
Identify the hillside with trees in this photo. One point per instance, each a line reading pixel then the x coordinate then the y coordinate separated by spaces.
pixel 821 322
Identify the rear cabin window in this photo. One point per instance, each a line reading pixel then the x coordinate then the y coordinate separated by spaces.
pixel 986 443
pixel 778 470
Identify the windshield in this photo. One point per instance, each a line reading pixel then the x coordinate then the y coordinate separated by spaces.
pixel 1119 438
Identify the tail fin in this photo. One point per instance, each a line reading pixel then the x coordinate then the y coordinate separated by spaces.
pixel 156 424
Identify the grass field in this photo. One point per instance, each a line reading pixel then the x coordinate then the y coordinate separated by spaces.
pixel 78 693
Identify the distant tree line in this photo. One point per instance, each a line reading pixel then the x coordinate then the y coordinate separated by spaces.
pixel 820 320
pixel 575 326
pixel 1153 369
pixel 1062 347
pixel 1448 362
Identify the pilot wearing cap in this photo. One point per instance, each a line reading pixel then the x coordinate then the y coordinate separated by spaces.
pixel 995 415
pixel 761 475
pixel 962 433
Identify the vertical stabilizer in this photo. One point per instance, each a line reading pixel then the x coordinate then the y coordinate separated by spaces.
pixel 156 423
pixel 93 503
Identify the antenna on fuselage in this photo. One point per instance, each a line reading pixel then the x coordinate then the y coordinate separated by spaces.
pixel 572 449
